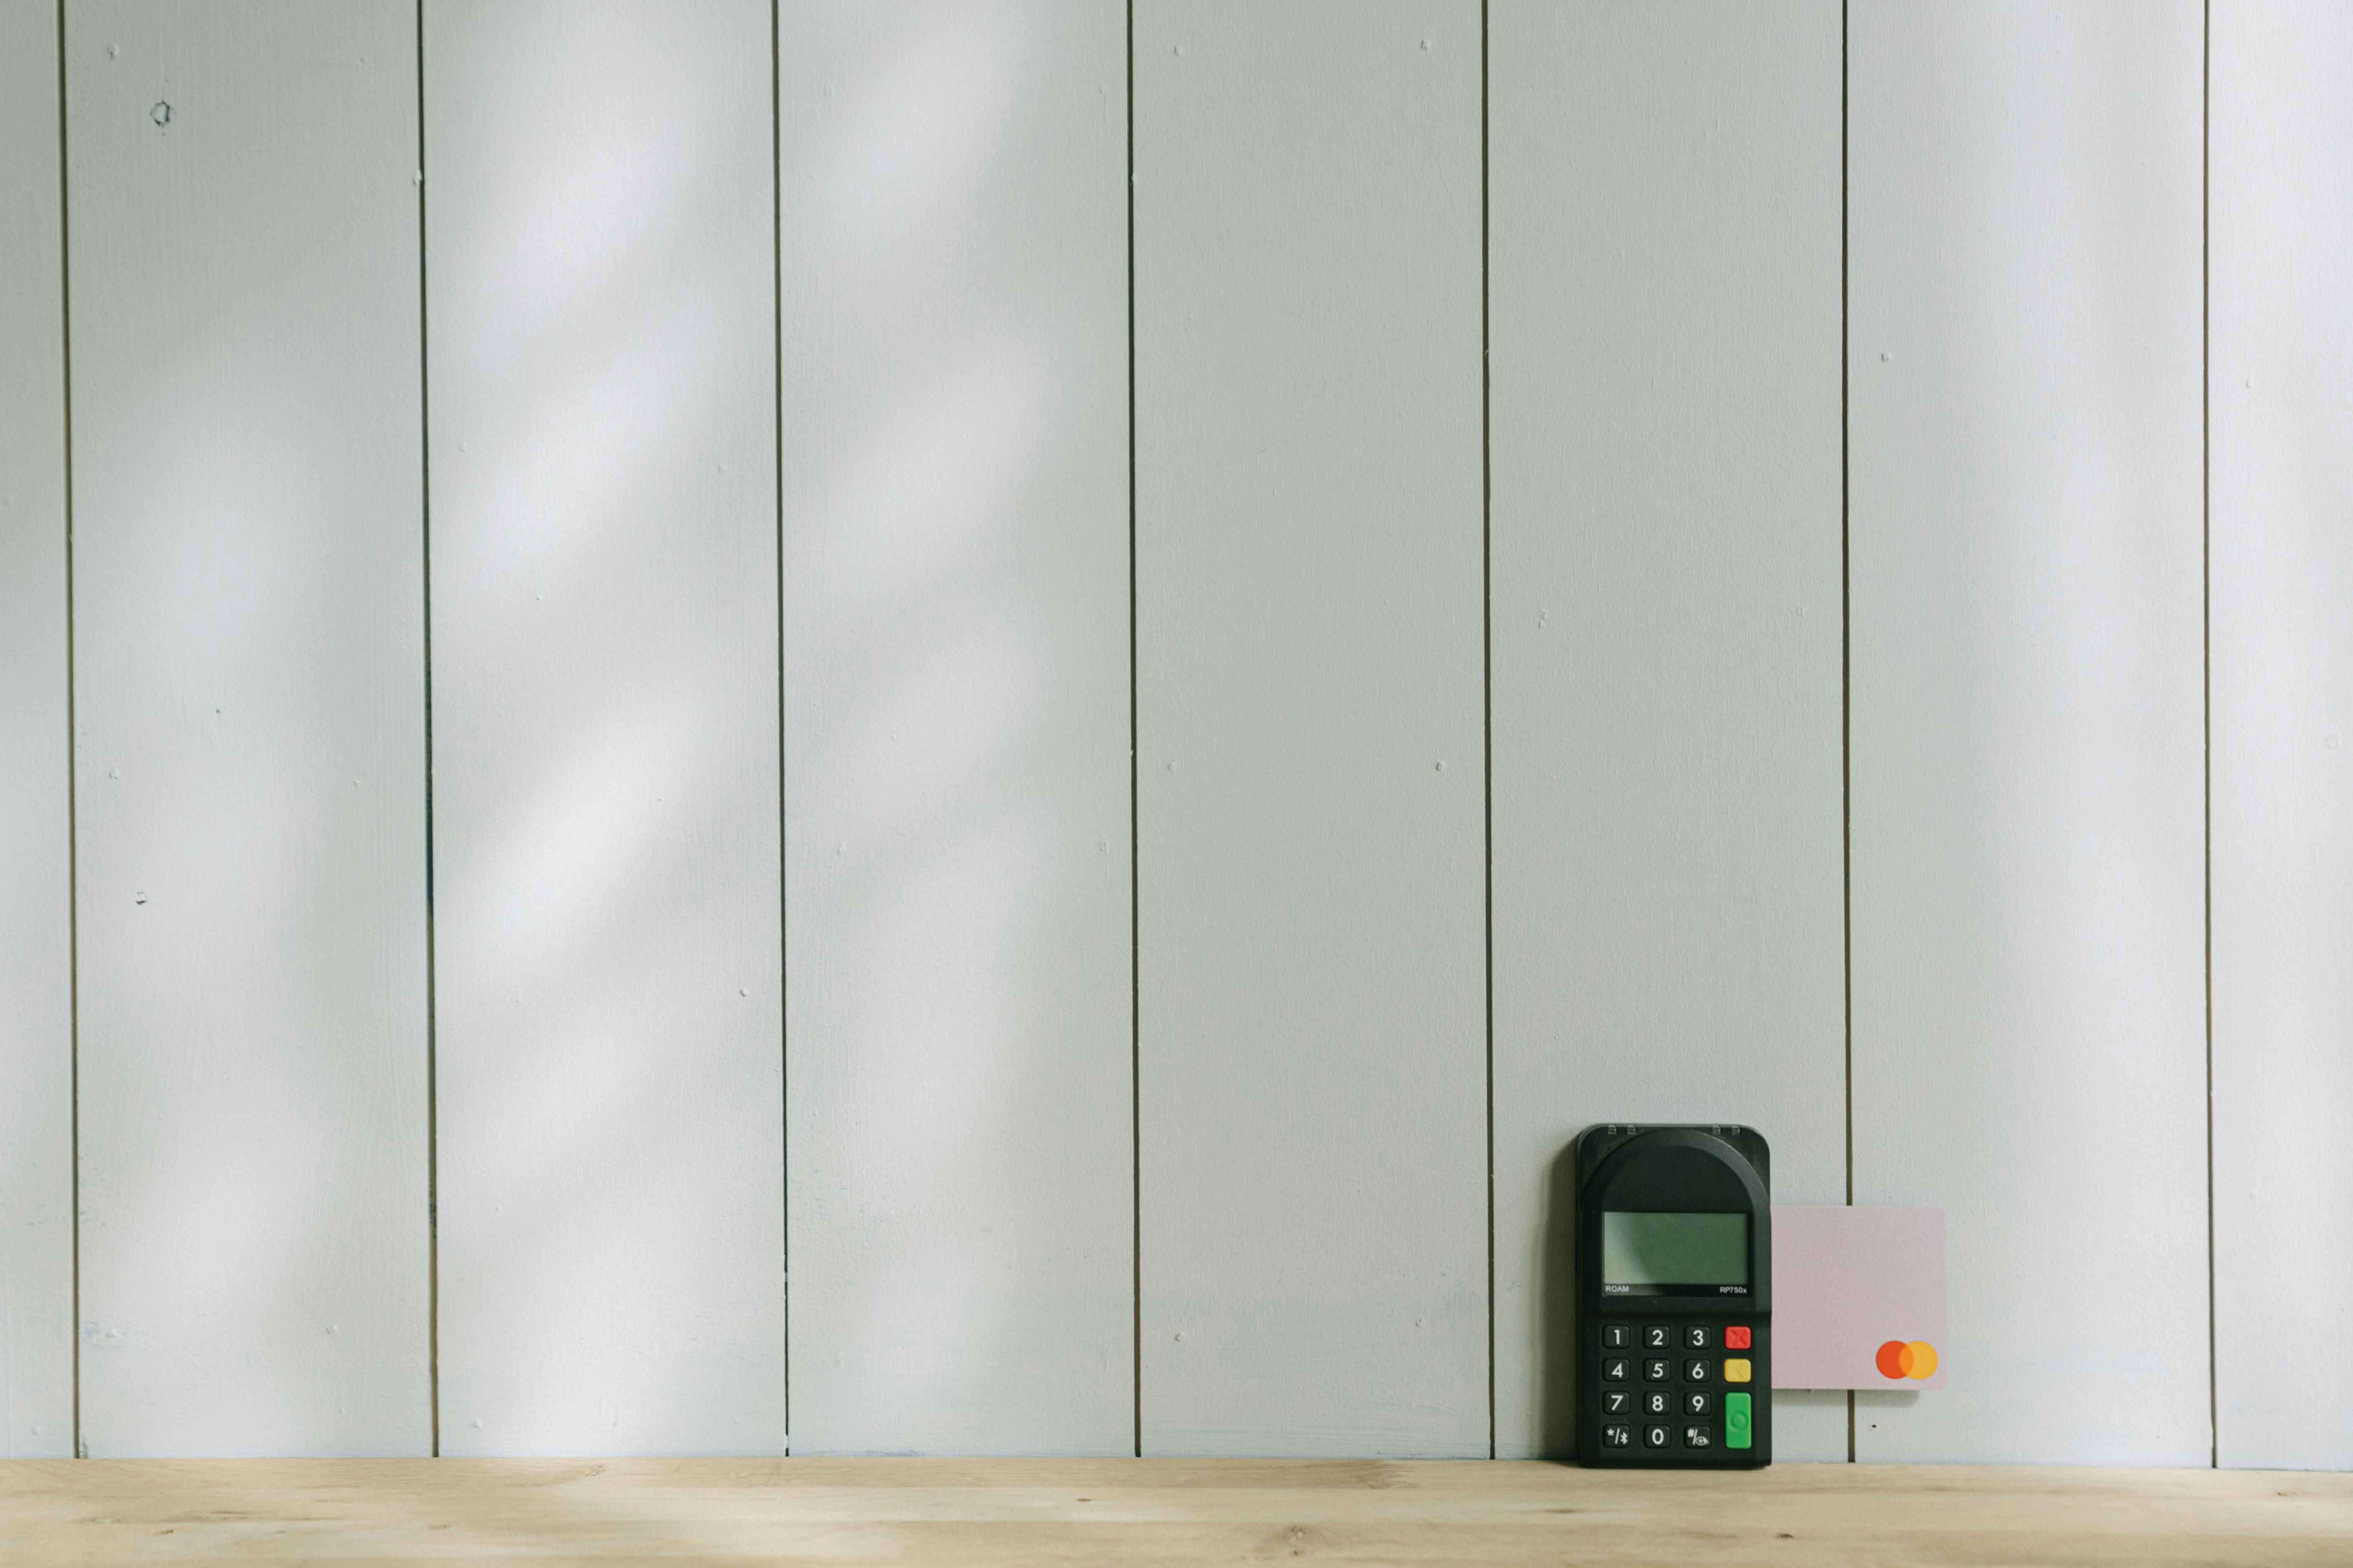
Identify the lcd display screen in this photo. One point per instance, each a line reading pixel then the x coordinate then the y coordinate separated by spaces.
pixel 1674 1254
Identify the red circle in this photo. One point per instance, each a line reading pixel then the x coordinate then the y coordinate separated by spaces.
pixel 1891 1359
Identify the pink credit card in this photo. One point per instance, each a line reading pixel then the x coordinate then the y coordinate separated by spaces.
pixel 1858 1298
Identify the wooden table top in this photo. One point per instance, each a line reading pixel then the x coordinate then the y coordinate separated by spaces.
pixel 1057 1511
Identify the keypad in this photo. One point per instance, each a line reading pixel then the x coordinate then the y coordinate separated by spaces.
pixel 1677 1408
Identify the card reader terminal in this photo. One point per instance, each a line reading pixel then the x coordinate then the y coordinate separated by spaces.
pixel 1674 1271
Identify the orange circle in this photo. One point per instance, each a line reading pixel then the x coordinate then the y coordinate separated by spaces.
pixel 1919 1360
pixel 1891 1359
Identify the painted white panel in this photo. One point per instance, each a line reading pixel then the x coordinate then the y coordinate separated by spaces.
pixel 608 956
pixel 1313 1214
pixel 35 892
pixel 2027 845
pixel 1669 899
pixel 2281 364
pixel 250 768
pixel 954 235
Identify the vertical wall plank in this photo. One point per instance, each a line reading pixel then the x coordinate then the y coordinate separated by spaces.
pixel 35 895
pixel 954 233
pixel 1670 905
pixel 2283 694
pixel 2027 711
pixel 1309 699
pixel 607 943
pixel 249 666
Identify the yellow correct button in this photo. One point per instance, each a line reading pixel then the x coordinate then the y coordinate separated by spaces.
pixel 1735 1371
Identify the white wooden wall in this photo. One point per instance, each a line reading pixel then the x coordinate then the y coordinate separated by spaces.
pixel 957 1052
pixel 2281 383
pixel 249 786
pixel 608 974
pixel 1309 860
pixel 1094 670
pixel 1668 879
pixel 36 1103
pixel 2026 712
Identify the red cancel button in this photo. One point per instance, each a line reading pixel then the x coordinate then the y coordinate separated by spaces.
pixel 1735 1339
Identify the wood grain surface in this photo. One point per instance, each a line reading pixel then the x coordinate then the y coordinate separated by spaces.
pixel 946 1511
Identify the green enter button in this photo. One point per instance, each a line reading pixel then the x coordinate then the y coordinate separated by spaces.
pixel 1735 1421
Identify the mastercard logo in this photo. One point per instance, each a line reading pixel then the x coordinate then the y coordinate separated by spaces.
pixel 1915 1361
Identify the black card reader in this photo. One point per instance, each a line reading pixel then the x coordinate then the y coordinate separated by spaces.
pixel 1674 1297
